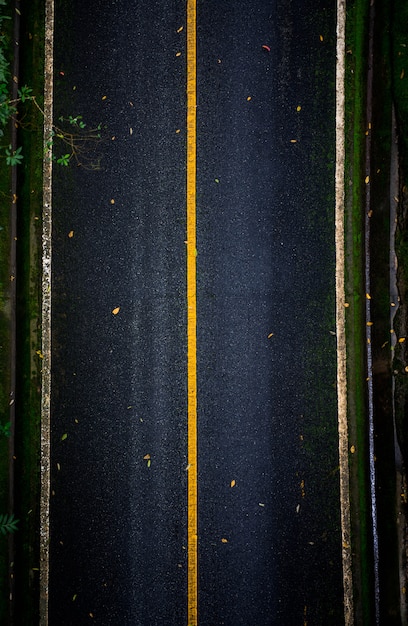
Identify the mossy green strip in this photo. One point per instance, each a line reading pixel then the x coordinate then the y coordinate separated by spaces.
pixel 27 443
pixel 356 54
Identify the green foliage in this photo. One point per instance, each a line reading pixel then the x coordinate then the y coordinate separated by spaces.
pixel 25 93
pixel 8 524
pixel 13 157
pixel 74 121
pixel 64 159
pixel 5 429
pixel 79 142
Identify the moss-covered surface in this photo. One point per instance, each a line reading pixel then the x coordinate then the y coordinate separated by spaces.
pixel 380 133
pixel 356 69
pixel 24 608
pixel 5 381
pixel 27 443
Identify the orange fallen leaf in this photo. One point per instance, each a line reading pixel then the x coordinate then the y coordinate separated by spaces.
pixel 116 310
pixel 270 335
pixel 71 234
pixel 401 339
pixel 321 37
pixel 146 457
pixel 370 323
pixel 233 483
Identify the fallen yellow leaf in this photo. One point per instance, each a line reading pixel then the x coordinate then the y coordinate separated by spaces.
pixel 401 339
pixel 224 540
pixel 116 310
pixel 146 457
pixel 298 108
pixel 352 449
pixel 367 179
pixel 368 296
pixel 71 234
pixel 233 483
pixel 180 29
pixel 370 323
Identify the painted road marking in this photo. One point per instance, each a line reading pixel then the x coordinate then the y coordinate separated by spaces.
pixel 192 526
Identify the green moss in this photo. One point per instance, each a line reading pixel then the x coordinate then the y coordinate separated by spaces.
pixel 356 54
pixel 27 440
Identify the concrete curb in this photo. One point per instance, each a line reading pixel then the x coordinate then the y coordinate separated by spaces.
pixel 46 314
pixel 342 415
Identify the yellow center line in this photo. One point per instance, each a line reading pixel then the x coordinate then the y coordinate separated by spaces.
pixel 192 590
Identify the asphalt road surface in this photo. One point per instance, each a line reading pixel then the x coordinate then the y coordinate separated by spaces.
pixel 269 546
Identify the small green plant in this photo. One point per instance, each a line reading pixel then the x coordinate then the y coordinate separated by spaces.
pixel 25 93
pixel 8 524
pixel 13 157
pixel 74 121
pixel 64 159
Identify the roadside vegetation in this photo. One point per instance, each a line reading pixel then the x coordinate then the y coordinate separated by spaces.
pixel 21 193
pixel 5 312
pixel 371 130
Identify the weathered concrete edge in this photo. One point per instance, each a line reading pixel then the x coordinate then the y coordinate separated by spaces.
pixel 46 313
pixel 340 318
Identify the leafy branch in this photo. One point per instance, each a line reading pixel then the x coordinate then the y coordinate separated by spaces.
pixel 79 143
pixel 8 524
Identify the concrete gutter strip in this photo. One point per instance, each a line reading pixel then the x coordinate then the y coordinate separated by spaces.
pixel 46 314
pixel 340 319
